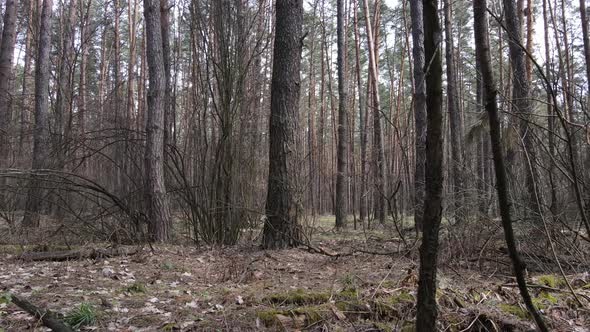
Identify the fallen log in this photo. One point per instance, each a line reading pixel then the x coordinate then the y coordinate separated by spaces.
pixel 47 317
pixel 66 255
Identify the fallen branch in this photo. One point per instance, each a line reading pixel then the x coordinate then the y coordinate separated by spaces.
pixel 47 317
pixel 66 255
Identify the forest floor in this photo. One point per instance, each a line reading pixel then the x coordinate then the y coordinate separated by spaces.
pixel 360 281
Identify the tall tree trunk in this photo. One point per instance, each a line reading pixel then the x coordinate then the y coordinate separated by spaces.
pixel 586 38
pixel 419 109
pixel 26 74
pixel 341 176
pixel 83 89
pixel 454 117
pixel 378 155
pixel 426 307
pixel 521 103
pixel 6 56
pixel 483 56
pixel 62 104
pixel 158 212
pixel 281 227
pixel 362 123
pixel 40 139
pixel 168 118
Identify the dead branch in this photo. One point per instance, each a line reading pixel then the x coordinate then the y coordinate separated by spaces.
pixel 47 317
pixel 66 255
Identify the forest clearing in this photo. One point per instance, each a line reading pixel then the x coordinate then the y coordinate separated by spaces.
pixel 294 165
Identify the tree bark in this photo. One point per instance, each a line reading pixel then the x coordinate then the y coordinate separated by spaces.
pixel 521 102
pixel 281 227
pixel 454 118
pixel 483 56
pixel 362 124
pixel 341 176
pixel 6 56
pixel 419 110
pixel 40 139
pixel 426 307
pixel 157 204
pixel 378 156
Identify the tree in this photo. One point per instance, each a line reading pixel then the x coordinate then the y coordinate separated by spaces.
pixel 281 227
pixel 419 109
pixel 490 92
pixel 341 176
pixel 454 116
pixel 159 220
pixel 521 102
pixel 6 55
pixel 378 156
pixel 426 307
pixel 40 135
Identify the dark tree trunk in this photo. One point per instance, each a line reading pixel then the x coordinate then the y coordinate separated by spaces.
pixel 483 56
pixel 419 109
pixel 341 176
pixel 6 55
pixel 159 220
pixel 40 139
pixel 281 227
pixel 426 307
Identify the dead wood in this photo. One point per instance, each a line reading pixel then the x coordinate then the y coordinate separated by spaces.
pixel 89 253
pixel 47 317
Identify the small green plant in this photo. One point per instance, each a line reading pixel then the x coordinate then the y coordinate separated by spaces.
pixel 136 287
pixel 83 315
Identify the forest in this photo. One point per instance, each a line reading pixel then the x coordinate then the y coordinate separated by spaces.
pixel 294 165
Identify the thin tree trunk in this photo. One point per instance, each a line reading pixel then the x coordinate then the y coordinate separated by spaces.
pixel 341 176
pixel 483 55
pixel 454 117
pixel 377 134
pixel 362 125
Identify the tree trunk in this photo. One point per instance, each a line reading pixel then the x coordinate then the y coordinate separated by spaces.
pixel 377 134
pixel 419 109
pixel 362 124
pixel 521 103
pixel 426 307
pixel 40 139
pixel 483 56
pixel 454 118
pixel 157 204
pixel 341 176
pixel 281 227
pixel 6 56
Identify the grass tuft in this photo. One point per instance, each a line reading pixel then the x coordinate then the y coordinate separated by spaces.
pixel 83 315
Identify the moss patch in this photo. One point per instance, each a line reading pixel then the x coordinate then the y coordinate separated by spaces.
pixel 299 297
pixel 514 310
pixel 308 315
pixel 551 280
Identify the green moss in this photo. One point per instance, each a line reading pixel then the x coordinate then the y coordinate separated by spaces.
pixel 514 310
pixel 269 317
pixel 348 293
pixel 299 296
pixel 551 280
pixel 136 287
pixel 313 315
